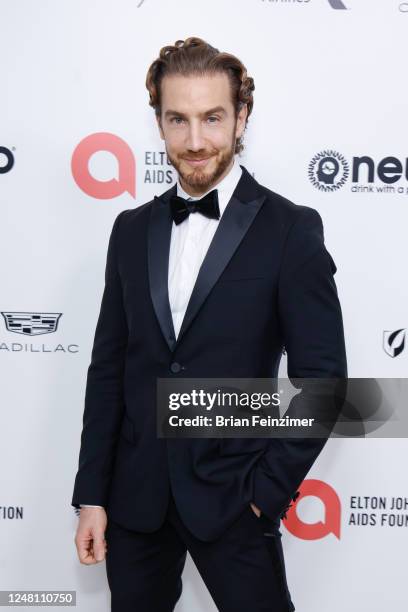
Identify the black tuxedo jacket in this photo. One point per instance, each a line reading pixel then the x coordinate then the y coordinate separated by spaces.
pixel 265 284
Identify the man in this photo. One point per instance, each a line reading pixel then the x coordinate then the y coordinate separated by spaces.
pixel 214 288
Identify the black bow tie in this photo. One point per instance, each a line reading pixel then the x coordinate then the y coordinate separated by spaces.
pixel 207 206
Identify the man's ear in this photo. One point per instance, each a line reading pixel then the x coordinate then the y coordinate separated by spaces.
pixel 241 121
pixel 160 126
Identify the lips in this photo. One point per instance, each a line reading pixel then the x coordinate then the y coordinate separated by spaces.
pixel 197 162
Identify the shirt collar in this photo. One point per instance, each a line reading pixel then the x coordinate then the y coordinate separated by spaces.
pixel 225 187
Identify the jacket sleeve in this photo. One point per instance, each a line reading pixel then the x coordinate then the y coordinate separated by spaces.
pixel 312 328
pixel 104 404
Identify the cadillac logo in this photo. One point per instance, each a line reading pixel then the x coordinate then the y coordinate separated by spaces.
pixel 32 323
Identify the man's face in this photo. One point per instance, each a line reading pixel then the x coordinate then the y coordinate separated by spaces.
pixel 199 127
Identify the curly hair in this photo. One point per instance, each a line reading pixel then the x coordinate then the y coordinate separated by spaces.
pixel 196 56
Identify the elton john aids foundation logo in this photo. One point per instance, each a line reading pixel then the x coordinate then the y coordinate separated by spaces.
pixel 332 512
pixel 328 170
pixel 126 166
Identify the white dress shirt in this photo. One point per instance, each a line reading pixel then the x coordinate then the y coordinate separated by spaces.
pixel 189 244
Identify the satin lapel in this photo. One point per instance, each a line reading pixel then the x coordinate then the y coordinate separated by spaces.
pixel 235 222
pixel 159 234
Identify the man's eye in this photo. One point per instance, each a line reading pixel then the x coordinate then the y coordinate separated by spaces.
pixel 176 120
pixel 214 118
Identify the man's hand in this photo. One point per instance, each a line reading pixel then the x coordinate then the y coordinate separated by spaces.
pixel 255 509
pixel 90 536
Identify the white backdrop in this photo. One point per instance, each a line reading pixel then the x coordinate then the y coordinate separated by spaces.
pixel 328 76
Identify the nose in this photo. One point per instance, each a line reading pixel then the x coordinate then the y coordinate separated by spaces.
pixel 195 139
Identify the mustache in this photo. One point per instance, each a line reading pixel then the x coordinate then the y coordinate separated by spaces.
pixel 196 156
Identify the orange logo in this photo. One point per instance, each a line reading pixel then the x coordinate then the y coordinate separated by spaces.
pixel 332 512
pixel 104 190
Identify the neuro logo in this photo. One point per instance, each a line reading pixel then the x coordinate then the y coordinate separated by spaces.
pixel 6 160
pixel 394 342
pixel 328 170
pixel 31 323
pixel 332 512
pixel 104 190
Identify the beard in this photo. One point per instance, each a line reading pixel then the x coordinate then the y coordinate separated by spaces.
pixel 202 180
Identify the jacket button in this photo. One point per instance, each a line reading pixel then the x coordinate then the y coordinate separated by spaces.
pixel 175 367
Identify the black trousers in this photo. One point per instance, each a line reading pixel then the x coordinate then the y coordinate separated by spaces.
pixel 244 569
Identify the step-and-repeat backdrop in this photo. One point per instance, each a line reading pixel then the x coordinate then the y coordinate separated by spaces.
pixel 79 143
